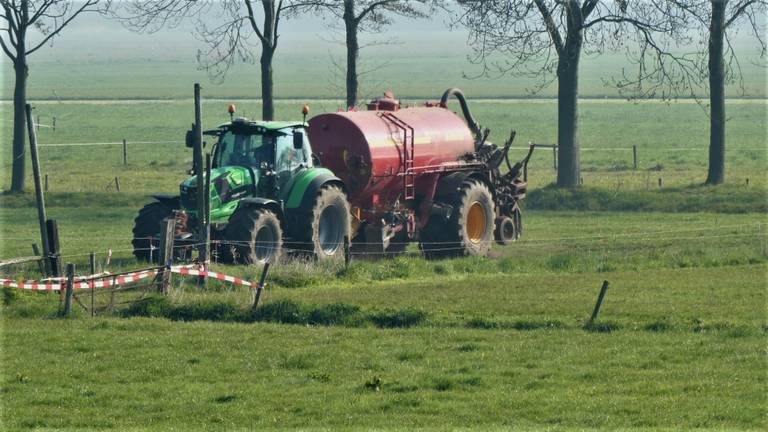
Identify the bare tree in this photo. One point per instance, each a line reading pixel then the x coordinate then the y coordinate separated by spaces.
pixel 229 39
pixel 546 38
pixel 363 16
pixel 25 27
pixel 707 68
pixel 723 16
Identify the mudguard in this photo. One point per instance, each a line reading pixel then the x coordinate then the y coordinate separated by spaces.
pixel 171 201
pixel 266 203
pixel 307 186
pixel 448 185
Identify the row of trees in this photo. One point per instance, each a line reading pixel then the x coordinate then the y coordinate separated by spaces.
pixel 541 38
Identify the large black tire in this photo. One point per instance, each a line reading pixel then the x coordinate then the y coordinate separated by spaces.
pixel 253 236
pixel 320 233
pixel 146 231
pixel 468 231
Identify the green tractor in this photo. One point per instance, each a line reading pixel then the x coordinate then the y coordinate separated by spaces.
pixel 266 195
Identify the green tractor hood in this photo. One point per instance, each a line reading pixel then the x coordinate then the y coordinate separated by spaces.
pixel 228 185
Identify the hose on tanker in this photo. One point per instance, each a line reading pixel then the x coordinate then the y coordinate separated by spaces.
pixel 458 94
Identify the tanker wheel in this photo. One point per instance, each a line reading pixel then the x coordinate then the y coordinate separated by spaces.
pixel 146 231
pixel 322 231
pixel 506 231
pixel 468 230
pixel 253 236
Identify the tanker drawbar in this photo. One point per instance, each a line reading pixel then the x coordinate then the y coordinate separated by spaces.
pixel 422 173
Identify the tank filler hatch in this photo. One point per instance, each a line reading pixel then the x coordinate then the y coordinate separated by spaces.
pixel 387 103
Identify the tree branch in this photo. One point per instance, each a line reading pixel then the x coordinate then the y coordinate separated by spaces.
pixel 554 34
pixel 59 28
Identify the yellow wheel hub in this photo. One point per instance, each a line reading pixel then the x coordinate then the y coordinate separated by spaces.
pixel 476 222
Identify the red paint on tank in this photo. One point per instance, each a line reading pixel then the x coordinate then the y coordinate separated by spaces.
pixel 366 150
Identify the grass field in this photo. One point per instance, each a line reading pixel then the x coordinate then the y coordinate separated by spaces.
pixel 472 343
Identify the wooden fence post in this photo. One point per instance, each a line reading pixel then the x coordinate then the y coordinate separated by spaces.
pixel 634 156
pixel 554 157
pixel 167 232
pixel 117 184
pixel 347 252
pixel 125 152
pixel 53 125
pixel 70 289
pixel 599 303
pixel 205 220
pixel 46 182
pixel 93 288
pixel 41 263
pixel 55 247
pixel 261 285
pixel 39 197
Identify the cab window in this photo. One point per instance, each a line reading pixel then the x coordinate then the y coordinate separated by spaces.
pixel 245 150
pixel 288 158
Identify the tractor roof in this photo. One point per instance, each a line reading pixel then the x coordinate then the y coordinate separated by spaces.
pixel 267 125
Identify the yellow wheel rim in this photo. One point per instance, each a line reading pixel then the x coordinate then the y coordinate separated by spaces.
pixel 476 222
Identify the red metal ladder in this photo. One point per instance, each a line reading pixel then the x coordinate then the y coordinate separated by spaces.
pixel 409 180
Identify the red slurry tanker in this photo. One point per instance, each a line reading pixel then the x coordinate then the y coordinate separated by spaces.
pixel 421 174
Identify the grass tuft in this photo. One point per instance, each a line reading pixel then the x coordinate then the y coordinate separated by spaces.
pixel 601 327
pixel 401 318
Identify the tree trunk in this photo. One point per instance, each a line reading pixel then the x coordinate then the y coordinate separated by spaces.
pixel 568 168
pixel 353 52
pixel 267 86
pixel 19 124
pixel 716 172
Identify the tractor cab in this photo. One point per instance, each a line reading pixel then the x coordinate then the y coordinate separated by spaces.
pixel 274 152
pixel 251 159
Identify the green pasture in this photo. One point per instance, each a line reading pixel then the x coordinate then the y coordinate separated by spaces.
pixel 673 349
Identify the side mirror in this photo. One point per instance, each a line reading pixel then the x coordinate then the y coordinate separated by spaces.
pixel 189 140
pixel 298 140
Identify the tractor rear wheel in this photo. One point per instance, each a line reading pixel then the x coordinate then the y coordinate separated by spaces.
pixel 321 233
pixel 253 236
pixel 469 228
pixel 146 231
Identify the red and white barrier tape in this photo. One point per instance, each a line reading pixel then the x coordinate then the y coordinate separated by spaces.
pixel 104 282
pixel 101 283
pixel 210 274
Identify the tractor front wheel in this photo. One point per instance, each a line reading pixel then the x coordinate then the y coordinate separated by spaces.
pixel 253 236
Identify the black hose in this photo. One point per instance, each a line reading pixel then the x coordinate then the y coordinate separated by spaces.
pixel 473 125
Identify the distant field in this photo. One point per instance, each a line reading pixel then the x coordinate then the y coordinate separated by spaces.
pixel 671 140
